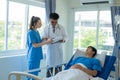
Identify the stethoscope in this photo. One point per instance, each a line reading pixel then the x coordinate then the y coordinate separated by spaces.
pixel 49 29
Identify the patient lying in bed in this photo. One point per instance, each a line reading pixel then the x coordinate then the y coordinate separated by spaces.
pixel 82 68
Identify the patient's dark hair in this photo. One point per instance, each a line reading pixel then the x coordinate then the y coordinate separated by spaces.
pixel 54 16
pixel 94 50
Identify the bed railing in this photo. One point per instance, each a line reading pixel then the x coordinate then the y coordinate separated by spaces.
pixel 18 75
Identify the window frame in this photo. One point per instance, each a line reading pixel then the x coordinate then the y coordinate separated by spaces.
pixel 98 8
pixel 27 3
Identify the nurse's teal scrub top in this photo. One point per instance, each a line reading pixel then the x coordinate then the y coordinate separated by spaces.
pixel 34 54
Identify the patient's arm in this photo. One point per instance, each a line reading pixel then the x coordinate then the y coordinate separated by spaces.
pixel 89 72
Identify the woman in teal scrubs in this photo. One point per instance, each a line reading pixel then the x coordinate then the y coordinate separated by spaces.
pixel 34 43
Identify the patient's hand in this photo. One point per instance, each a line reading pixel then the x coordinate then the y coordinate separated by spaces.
pixel 88 71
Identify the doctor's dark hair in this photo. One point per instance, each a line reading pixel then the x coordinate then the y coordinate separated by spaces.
pixel 94 50
pixel 33 22
pixel 54 16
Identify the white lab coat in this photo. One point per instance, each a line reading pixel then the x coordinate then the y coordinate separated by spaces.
pixel 54 55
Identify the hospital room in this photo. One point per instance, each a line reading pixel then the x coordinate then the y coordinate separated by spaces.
pixel 59 40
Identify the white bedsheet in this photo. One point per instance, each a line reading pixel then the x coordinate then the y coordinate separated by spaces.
pixel 72 74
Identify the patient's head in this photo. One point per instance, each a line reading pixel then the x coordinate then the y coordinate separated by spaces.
pixel 91 51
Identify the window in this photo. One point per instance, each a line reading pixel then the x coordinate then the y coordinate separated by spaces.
pixel 2 24
pixel 16 25
pixel 14 18
pixel 85 29
pixel 105 37
pixel 39 12
pixel 93 29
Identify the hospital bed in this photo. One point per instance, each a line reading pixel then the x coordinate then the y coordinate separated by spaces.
pixel 106 69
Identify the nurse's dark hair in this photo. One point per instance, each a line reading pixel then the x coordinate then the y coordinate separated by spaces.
pixel 94 50
pixel 54 16
pixel 33 22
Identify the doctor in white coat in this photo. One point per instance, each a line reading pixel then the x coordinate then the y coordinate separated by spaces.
pixel 56 32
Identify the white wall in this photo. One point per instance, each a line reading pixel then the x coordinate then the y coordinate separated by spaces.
pixel 62 8
pixel 8 64
pixel 16 63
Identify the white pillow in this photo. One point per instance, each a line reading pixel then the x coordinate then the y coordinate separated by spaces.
pixel 100 57
pixel 78 53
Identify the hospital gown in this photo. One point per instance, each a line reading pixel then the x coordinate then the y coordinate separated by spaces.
pixel 90 63
pixel 34 55
pixel 76 74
